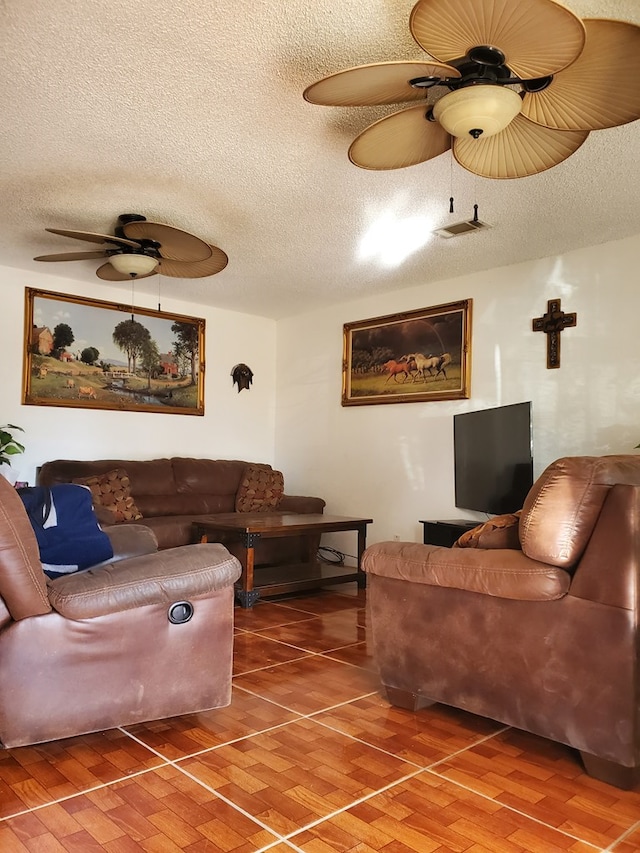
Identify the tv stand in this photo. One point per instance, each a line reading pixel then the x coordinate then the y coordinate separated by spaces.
pixel 445 531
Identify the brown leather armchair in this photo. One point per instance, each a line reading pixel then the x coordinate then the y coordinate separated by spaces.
pixel 544 638
pixel 140 638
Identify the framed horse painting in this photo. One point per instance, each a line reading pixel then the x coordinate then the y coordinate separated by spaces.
pixel 414 356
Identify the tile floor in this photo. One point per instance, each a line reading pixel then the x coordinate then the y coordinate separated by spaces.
pixel 309 758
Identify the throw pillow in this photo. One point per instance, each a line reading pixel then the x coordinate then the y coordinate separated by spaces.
pixel 260 489
pixel 498 532
pixel 104 515
pixel 113 491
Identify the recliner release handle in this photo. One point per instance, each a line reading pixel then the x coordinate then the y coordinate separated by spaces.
pixel 180 611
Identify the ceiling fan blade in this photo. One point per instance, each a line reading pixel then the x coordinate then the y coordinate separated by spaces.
pixel 601 89
pixel 379 83
pixel 175 244
pixel 93 238
pixel 109 273
pixel 537 37
pixel 71 256
pixel 401 139
pixel 522 149
pixel 198 269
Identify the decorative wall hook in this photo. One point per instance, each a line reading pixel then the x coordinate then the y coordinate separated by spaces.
pixel 242 375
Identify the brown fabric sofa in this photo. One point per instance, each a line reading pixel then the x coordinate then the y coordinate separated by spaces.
pixel 111 645
pixel 543 637
pixel 171 493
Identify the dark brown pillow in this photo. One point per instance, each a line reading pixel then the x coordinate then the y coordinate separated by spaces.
pixel 260 489
pixel 113 491
pixel 498 532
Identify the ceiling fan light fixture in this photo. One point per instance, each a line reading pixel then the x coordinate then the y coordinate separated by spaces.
pixel 478 110
pixel 133 264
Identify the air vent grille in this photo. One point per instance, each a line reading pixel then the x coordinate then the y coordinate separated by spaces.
pixel 456 229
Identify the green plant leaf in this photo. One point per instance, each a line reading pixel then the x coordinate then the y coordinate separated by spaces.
pixel 8 445
pixel 12 449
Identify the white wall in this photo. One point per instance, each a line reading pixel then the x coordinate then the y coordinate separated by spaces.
pixel 394 462
pixel 236 425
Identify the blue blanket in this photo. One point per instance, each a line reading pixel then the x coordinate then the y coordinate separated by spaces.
pixel 65 525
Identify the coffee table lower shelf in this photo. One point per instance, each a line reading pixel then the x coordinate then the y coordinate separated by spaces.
pixel 298 577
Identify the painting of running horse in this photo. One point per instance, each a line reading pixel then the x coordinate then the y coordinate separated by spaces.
pixel 415 356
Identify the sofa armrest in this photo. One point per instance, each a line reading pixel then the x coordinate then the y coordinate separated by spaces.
pixel 300 503
pixel 160 578
pixel 608 570
pixel 130 540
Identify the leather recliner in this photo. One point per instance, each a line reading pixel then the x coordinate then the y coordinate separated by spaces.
pixel 542 638
pixel 145 637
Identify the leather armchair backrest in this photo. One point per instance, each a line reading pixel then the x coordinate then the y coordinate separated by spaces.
pixel 22 582
pixel 563 505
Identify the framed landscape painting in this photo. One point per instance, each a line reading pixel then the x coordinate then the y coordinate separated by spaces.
pixel 410 357
pixel 90 354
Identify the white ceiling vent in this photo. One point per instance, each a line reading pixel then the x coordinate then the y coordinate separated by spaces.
pixel 456 229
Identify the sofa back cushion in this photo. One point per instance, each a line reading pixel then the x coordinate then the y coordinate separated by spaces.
pixel 187 503
pixel 148 477
pixel 207 476
pixel 562 507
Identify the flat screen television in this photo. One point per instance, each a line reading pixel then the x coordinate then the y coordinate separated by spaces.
pixel 493 458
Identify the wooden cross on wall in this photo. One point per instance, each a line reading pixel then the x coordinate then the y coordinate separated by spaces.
pixel 552 324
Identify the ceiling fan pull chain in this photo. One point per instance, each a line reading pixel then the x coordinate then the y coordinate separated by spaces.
pixel 475 198
pixel 451 181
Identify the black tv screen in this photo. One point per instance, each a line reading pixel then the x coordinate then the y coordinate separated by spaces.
pixel 493 458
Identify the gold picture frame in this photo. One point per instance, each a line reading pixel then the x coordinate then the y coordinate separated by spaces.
pixel 91 354
pixel 411 357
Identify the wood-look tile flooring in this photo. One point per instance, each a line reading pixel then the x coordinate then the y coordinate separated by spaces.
pixel 309 757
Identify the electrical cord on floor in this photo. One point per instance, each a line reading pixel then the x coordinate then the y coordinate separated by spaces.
pixel 332 556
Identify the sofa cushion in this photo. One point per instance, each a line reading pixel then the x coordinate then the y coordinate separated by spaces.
pixel 186 503
pixel 148 477
pixel 562 507
pixel 261 489
pixel 505 573
pixel 498 532
pixel 207 476
pixel 113 490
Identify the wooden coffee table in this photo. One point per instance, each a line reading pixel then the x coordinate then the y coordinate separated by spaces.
pixel 249 528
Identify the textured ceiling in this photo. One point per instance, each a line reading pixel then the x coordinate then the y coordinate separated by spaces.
pixel 192 114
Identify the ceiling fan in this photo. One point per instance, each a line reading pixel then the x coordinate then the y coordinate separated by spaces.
pixel 514 87
pixel 139 249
